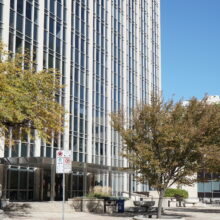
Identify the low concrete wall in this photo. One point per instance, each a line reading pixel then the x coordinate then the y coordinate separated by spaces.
pixel 89 205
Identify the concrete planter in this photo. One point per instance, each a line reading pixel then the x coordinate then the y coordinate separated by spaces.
pixel 142 217
pixel 82 204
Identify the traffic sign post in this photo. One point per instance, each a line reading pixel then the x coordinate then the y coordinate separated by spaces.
pixel 63 165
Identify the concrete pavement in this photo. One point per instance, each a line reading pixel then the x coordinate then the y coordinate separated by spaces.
pixel 52 211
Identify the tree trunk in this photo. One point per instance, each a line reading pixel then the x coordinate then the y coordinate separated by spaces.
pixel 159 210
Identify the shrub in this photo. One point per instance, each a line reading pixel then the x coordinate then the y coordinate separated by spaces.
pixel 100 192
pixel 177 193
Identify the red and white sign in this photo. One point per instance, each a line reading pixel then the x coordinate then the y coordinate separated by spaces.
pixel 63 161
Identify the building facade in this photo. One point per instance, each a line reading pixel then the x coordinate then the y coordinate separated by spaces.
pixel 108 52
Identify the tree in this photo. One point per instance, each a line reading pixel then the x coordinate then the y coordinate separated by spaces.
pixel 27 97
pixel 167 142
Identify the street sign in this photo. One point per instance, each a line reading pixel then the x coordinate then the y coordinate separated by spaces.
pixel 63 161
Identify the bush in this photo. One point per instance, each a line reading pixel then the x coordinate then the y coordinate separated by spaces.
pixel 177 193
pixel 100 192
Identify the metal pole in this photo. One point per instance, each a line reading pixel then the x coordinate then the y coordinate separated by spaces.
pixel 63 196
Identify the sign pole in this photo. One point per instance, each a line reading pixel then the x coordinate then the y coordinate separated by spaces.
pixel 63 196
pixel 63 165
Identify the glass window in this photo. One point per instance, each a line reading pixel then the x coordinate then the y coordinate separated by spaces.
pixel 76 75
pixel 20 23
pixel 23 150
pixel 15 150
pixel 20 6
pixel 46 4
pixel 14 179
pixel 58 30
pixel 12 15
pixel 51 25
pixel 77 24
pixel 51 44
pixel 75 144
pixel 11 41
pixel 58 10
pixel 35 15
pixel 48 151
pixel 77 9
pixel 35 32
pixel 31 150
pixel 82 92
pixel 18 44
pixel 58 45
pixel 75 156
pixel 50 61
pixel 28 28
pixel 28 10
pixel 52 6
pixel 0 12
pixel 12 4
pixel 77 42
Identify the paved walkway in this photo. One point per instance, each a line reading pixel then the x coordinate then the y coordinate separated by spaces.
pixel 202 213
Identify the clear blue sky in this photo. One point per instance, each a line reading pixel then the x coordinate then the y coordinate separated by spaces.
pixel 190 37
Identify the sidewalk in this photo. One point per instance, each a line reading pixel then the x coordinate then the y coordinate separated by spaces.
pixel 194 213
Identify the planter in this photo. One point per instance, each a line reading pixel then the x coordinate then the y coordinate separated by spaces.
pixel 142 217
pixel 87 204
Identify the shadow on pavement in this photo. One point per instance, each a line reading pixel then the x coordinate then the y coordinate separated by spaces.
pixel 203 210
pixel 14 210
pixel 130 215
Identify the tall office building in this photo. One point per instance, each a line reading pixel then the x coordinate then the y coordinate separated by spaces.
pixel 108 52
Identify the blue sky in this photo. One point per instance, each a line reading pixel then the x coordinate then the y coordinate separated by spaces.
pixel 190 37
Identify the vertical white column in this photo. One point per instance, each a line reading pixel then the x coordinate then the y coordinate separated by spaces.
pixel 67 76
pixel 125 83
pixel 90 82
pixel 40 50
pixel 2 145
pixel 149 47
pixel 109 75
pixel 138 52
pixel 5 16
pixel 159 47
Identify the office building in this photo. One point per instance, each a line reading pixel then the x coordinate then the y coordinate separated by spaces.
pixel 108 52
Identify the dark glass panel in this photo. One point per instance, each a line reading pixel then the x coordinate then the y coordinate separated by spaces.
pixel 11 41
pixel 28 10
pixel 12 4
pixel 51 43
pixel 15 150
pixel 23 179
pixel 24 148
pixel 59 10
pixel 51 25
pixel 48 151
pixel 19 23
pixel 52 6
pixel 35 15
pixel 28 28
pixel 14 179
pixel 12 16
pixel 20 6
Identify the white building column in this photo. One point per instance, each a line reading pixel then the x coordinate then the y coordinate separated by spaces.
pixel 5 15
pixel 138 52
pixel 149 48
pixel 109 89
pixel 40 50
pixel 2 145
pixel 125 83
pixel 90 82
pixel 67 76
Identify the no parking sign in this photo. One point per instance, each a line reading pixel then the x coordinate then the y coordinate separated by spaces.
pixel 63 161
